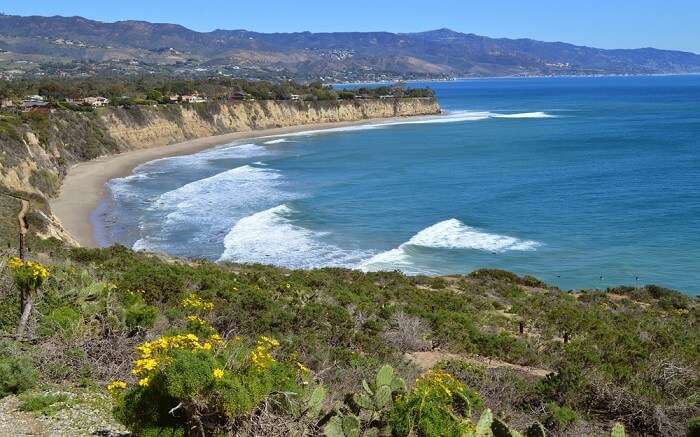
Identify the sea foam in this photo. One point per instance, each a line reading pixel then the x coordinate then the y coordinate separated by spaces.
pixel 206 209
pixel 537 114
pixel 204 158
pixel 447 117
pixel 270 236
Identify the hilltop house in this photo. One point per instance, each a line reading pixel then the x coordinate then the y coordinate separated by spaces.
pixel 194 98
pixel 96 102
pixel 295 97
pixel 240 95
pixel 33 102
pixel 6 103
pixel 90 101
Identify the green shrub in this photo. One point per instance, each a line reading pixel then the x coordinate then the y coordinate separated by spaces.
pixel 64 321
pixel 17 374
pixel 138 314
pixel 438 405
pixel 559 417
pixel 186 381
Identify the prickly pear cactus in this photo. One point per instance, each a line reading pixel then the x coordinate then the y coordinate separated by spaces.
pixel 618 430
pixel 380 396
pixel 342 426
pixel 536 430
pixel 315 401
pixel 483 427
pixel 500 429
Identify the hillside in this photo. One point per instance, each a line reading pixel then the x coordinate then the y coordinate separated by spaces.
pixel 294 343
pixel 74 45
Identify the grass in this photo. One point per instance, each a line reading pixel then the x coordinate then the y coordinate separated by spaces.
pixel 44 403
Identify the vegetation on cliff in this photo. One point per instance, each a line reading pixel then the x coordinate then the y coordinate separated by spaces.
pixel 148 90
pixel 258 349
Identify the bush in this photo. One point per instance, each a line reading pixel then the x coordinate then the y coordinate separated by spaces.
pixel 29 275
pixel 559 417
pixel 438 405
pixel 187 381
pixel 17 374
pixel 64 321
pixel 137 314
pixel 408 333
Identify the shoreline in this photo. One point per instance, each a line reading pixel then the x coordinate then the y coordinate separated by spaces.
pixel 83 190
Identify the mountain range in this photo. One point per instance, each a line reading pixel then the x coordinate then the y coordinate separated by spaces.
pixel 36 44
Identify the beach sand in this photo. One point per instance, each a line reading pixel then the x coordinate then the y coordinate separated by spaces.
pixel 83 189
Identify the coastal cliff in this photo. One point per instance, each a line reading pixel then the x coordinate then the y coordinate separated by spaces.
pixel 163 125
pixel 36 150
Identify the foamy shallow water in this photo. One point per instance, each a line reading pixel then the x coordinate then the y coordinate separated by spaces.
pixel 581 182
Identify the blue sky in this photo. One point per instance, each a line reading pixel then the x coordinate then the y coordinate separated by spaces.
pixel 670 24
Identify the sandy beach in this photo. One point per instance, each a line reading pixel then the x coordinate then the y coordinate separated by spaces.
pixel 84 187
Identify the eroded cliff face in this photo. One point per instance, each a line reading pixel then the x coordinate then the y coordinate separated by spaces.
pixel 37 150
pixel 172 124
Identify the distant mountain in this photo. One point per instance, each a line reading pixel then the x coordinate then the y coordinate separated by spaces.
pixel 437 53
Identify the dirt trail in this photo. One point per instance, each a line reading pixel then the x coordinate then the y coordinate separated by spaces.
pixel 426 360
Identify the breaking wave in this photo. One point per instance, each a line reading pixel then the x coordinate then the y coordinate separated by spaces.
pixel 448 234
pixel 204 210
pixel 271 237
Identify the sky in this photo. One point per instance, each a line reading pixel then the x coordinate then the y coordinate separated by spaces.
pixel 666 24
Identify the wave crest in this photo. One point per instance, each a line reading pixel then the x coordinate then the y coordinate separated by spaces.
pixel 448 234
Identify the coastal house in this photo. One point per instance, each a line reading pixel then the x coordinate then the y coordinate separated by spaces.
pixel 6 103
pixel 240 95
pixel 95 102
pixel 31 104
pixel 174 98
pixel 295 97
pixel 194 98
pixel 35 98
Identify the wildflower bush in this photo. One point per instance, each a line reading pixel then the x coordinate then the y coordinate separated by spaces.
pixel 438 405
pixel 196 380
pixel 28 275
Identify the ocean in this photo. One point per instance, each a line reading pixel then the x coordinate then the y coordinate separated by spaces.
pixel 582 182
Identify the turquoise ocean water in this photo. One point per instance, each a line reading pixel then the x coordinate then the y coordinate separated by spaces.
pixel 582 182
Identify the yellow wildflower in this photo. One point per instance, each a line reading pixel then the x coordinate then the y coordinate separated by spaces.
pixel 196 319
pixel 268 341
pixel 115 387
pixel 193 301
pixel 303 368
pixel 218 373
pixel 143 382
